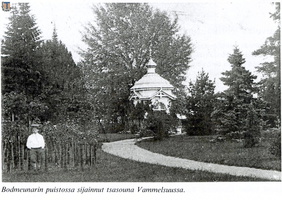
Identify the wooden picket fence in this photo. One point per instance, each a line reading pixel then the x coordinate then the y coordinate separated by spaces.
pixel 59 154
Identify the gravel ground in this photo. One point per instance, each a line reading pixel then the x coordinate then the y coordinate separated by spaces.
pixel 128 149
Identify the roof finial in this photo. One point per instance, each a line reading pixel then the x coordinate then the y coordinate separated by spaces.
pixel 151 63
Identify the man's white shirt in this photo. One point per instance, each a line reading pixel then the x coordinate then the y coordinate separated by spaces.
pixel 35 141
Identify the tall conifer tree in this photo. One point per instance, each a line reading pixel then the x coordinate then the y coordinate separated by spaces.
pixel 22 79
pixel 200 105
pixel 270 85
pixel 20 60
pixel 64 88
pixel 234 103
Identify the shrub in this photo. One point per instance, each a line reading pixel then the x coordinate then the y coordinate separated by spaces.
pixel 11 131
pixel 146 133
pixel 235 135
pixel 160 123
pixel 114 127
pixel 249 139
pixel 253 127
pixel 275 148
pixel 133 129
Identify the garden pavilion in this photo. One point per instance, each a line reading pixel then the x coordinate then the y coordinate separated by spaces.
pixel 154 88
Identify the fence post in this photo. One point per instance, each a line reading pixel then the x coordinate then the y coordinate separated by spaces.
pixel 85 153
pixel 68 153
pixel 56 153
pixel 61 154
pixel 25 158
pixel 94 153
pixel 77 154
pixel 28 160
pixel 3 154
pixel 12 156
pixel 46 159
pixel 81 157
pixel 90 155
pixel 21 156
pixel 65 157
pixel 8 156
pixel 73 153
pixel 18 153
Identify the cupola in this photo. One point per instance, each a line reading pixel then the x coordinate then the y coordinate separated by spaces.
pixel 152 87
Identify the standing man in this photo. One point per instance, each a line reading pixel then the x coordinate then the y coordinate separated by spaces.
pixel 35 142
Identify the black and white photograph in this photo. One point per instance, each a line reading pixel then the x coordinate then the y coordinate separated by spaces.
pixel 140 99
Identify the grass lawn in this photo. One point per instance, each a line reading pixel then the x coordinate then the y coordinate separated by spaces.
pixel 227 152
pixel 114 169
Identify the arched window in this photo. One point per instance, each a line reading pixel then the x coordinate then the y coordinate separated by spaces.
pixel 159 105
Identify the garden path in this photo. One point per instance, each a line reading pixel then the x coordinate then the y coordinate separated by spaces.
pixel 128 149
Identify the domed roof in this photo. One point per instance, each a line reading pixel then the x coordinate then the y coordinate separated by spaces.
pixel 151 79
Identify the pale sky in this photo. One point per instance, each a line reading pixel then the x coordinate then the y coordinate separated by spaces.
pixel 215 28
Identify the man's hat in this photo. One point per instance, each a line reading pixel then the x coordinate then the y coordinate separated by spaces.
pixel 35 125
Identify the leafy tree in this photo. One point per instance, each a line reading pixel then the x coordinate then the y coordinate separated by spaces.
pixel 200 104
pixel 119 46
pixel 270 89
pixel 233 111
pixel 14 105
